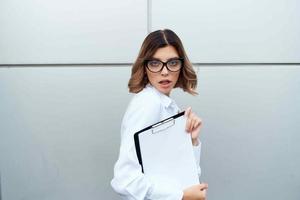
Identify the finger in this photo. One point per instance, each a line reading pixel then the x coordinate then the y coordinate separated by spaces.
pixel 189 117
pixel 203 186
pixel 191 124
pixel 197 123
pixel 204 193
pixel 193 119
pixel 187 111
pixel 188 125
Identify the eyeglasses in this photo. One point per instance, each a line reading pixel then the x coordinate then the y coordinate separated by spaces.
pixel 172 65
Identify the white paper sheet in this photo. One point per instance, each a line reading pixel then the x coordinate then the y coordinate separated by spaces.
pixel 167 154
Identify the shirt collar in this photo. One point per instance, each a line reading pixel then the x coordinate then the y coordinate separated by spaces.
pixel 166 101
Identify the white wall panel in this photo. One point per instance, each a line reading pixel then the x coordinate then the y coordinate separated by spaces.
pixel 65 31
pixel 233 31
pixel 60 131
pixel 250 135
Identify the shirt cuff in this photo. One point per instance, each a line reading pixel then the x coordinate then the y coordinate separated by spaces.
pixel 164 192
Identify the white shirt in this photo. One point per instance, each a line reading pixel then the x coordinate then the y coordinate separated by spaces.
pixel 146 108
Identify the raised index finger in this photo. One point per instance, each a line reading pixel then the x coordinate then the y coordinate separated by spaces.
pixel 188 111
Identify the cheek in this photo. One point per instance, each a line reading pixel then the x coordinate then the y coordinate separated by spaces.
pixel 149 76
pixel 176 76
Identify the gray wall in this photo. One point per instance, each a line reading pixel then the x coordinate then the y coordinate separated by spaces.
pixel 59 124
pixel 64 31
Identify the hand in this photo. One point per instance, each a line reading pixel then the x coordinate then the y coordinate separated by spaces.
pixel 193 125
pixel 195 192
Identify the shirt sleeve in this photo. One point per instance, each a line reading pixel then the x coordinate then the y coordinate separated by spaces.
pixel 197 154
pixel 128 180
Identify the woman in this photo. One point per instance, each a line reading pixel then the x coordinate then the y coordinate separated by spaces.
pixel 162 65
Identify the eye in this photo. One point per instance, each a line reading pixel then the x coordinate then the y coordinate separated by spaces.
pixel 174 62
pixel 153 63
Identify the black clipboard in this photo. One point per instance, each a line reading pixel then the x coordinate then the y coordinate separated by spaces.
pixel 158 146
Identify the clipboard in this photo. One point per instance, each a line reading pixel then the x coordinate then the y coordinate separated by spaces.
pixel 165 153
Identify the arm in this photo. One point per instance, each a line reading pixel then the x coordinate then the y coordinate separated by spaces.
pixel 193 127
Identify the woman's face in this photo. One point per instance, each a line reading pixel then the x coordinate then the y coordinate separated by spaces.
pixel 165 80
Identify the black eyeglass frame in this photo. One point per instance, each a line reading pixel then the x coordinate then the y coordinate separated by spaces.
pixel 164 64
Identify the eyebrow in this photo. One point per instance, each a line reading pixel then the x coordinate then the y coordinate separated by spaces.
pixel 167 60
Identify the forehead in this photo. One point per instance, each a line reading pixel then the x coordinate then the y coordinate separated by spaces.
pixel 166 53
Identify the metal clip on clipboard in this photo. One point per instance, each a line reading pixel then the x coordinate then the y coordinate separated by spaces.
pixel 164 125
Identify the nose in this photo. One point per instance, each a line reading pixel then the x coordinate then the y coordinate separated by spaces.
pixel 164 70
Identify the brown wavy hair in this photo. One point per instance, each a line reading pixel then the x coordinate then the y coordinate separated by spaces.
pixel 157 39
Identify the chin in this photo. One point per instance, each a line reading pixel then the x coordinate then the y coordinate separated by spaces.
pixel 166 92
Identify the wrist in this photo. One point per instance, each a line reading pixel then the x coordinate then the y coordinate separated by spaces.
pixel 195 142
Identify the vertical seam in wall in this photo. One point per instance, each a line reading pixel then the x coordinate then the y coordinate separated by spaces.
pixel 0 188
pixel 149 16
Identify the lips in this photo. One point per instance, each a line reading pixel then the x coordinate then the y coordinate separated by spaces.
pixel 164 82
